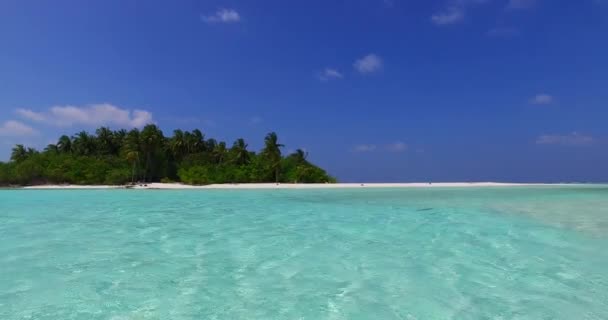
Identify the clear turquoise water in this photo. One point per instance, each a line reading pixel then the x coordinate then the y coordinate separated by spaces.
pixel 491 253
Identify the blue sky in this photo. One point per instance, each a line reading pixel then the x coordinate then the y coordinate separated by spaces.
pixel 375 90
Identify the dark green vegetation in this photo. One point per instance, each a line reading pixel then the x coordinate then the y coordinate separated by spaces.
pixel 119 157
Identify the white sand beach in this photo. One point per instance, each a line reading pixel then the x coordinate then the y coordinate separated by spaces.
pixel 167 186
pixel 72 186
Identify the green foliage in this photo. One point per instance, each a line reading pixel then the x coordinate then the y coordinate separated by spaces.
pixel 119 157
pixel 297 169
pixel 28 171
pixel 118 176
pixel 167 180
pixel 272 154
pixel 194 175
pixel 5 174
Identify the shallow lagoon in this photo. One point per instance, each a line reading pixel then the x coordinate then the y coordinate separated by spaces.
pixel 394 253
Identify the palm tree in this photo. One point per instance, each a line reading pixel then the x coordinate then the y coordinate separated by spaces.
pixel 31 152
pixel 51 148
pixel 301 155
pixel 83 143
pixel 239 152
pixel 19 153
pixel 297 161
pixel 219 153
pixel 272 152
pixel 210 145
pixel 119 139
pixel 301 171
pixel 133 158
pixel 64 145
pixel 188 142
pixel 177 145
pixel 105 139
pixel 151 141
pixel 198 141
pixel 131 150
pixel 185 156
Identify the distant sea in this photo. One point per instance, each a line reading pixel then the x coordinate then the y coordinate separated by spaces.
pixel 394 253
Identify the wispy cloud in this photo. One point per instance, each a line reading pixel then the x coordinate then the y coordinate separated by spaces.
pixel 454 11
pixel 364 148
pixel 450 15
pixel 572 139
pixel 521 4
pixel 329 74
pixel 369 64
pixel 397 147
pixel 222 16
pixel 92 115
pixel 542 99
pixel 12 128
pixel 503 32
pixel 30 115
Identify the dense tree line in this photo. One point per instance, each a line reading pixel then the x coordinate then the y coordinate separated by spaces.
pixel 120 157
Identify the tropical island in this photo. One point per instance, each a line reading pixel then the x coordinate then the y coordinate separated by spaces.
pixel 125 157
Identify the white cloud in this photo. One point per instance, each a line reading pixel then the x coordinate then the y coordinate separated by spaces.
pixel 450 15
pixel 521 4
pixel 542 99
pixel 572 139
pixel 397 147
pixel 30 115
pixel 368 64
pixel 92 115
pixel 505 32
pixel 329 74
pixel 364 148
pixel 14 128
pixel 223 16
pixel 454 11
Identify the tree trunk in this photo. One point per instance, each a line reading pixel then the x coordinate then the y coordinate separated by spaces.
pixel 147 166
pixel 276 174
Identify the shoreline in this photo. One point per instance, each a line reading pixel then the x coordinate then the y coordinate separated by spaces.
pixel 180 186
